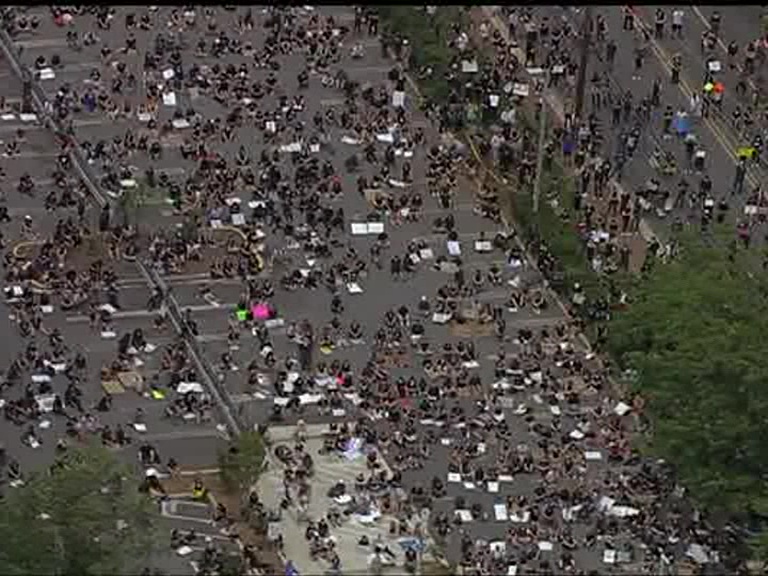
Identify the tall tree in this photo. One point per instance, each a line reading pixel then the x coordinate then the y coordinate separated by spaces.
pixel 130 202
pixel 83 516
pixel 695 335
pixel 241 464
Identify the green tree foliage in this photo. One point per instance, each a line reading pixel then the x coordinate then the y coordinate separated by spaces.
pixel 130 202
pixel 84 516
pixel 695 335
pixel 428 36
pixel 557 229
pixel 241 464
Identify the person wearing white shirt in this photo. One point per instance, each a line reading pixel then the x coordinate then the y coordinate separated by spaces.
pixel 375 563
pixel 677 23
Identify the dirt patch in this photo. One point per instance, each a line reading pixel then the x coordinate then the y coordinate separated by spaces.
pixel 267 553
pixel 396 359
pixel 436 569
pixel 182 484
pixel 471 329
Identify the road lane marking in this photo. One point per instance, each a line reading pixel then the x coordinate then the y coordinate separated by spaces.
pixel 176 278
pixel 179 435
pixel 26 154
pixel 65 69
pixel 77 123
pixel 187 279
pixel 723 47
pixel 41 43
pixel 128 314
pixel 720 135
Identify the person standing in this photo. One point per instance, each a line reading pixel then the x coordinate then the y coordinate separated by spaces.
pixel 305 342
pixel 738 180
pixel 375 563
pixel 629 19
pixel 677 23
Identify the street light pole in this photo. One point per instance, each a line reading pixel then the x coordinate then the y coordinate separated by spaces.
pixel 581 81
pixel 26 94
pixel 540 157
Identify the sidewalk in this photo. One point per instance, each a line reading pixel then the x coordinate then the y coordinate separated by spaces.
pixel 329 469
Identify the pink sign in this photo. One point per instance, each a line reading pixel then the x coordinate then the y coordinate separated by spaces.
pixel 261 311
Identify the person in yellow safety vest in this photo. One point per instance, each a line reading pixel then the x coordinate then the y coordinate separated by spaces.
pixel 745 152
pixel 199 491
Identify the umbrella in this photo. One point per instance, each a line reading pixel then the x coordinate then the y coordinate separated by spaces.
pixel 261 311
pixel 708 87
pixel 242 315
pixel 719 88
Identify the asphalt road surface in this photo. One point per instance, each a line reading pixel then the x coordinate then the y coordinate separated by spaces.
pixel 211 302
pixel 716 135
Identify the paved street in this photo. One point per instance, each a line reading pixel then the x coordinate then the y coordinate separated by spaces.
pixel 715 135
pixel 494 409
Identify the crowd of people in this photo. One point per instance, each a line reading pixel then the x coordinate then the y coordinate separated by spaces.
pixel 511 437
pixel 620 126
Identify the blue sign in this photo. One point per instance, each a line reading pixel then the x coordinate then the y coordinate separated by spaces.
pixel 415 544
pixel 290 569
pixel 682 125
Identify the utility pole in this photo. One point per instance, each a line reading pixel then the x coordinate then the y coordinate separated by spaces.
pixel 26 94
pixel 540 156
pixel 581 81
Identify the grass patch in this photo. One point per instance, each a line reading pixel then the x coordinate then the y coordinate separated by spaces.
pixel 557 227
pixel 429 37
pixel 432 38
